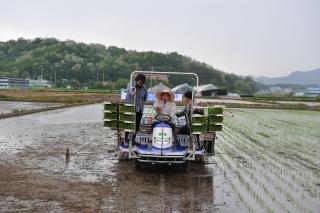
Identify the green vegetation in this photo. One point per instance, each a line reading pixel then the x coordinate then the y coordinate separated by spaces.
pixel 200 128
pixel 199 119
pixel 111 107
pixel 271 158
pixel 126 108
pixel 215 110
pixel 51 99
pixel 84 65
pixel 126 117
pixel 282 98
pixel 215 119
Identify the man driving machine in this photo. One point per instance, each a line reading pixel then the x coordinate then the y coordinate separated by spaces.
pixel 165 105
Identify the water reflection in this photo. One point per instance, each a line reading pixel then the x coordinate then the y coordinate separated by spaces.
pixel 162 189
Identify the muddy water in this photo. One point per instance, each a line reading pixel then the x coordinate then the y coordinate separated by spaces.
pixel 9 106
pixel 36 176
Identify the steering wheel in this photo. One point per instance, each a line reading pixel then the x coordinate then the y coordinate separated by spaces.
pixel 163 118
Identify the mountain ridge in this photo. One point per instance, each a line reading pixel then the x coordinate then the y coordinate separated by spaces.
pixel 311 77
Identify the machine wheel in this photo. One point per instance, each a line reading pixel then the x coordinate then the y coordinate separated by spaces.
pixel 123 155
pixel 138 164
pixel 209 146
pixel 183 167
pixel 199 159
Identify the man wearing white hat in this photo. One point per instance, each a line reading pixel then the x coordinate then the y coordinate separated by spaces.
pixel 165 104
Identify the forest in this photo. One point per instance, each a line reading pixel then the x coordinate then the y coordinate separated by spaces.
pixel 98 66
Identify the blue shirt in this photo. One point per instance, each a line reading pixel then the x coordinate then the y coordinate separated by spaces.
pixel 141 97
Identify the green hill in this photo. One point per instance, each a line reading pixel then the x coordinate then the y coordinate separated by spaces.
pixel 81 63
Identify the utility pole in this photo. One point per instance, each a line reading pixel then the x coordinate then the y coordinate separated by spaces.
pixel 97 76
pixel 103 77
pixel 42 72
pixel 55 77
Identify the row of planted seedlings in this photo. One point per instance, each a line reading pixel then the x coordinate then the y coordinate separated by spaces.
pixel 270 181
pixel 276 143
pixel 286 166
pixel 237 184
pixel 211 121
pixel 119 116
pixel 243 184
pixel 300 174
pixel 294 181
pixel 241 143
pixel 297 130
pixel 253 171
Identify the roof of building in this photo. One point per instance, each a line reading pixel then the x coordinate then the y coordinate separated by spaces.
pixel 206 87
pixel 158 87
pixel 182 88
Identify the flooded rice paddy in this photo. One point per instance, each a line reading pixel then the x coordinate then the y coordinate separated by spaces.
pixel 267 160
pixel 12 106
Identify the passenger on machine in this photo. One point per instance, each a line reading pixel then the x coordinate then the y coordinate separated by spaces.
pixel 186 129
pixel 165 105
pixel 140 93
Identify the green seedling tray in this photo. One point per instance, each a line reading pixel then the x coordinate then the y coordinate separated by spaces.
pixel 216 119
pixel 113 124
pixel 215 110
pixel 200 119
pixel 126 125
pixel 111 106
pixel 126 108
pixel 215 127
pixel 126 117
pixel 110 115
pixel 199 128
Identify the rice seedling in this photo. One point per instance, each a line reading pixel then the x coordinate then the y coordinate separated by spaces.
pixel 200 119
pixel 127 116
pixel 126 108
pixel 280 171
pixel 216 118
pixel 113 124
pixel 199 128
pixel 125 125
pixel 215 110
pixel 111 106
pixel 110 115
pixel 215 127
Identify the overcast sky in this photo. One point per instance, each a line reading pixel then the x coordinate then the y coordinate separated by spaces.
pixel 245 37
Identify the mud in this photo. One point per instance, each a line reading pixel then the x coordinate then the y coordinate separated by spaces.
pixel 10 106
pixel 36 176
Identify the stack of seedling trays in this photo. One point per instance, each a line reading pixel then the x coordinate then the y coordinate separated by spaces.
pixel 199 124
pixel 215 118
pixel 127 117
pixel 110 115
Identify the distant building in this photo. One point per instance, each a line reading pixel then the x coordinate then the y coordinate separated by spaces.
pixel 181 89
pixel 23 83
pixel 313 92
pixel 39 83
pixel 14 83
pixel 278 89
pixel 4 83
pixel 209 90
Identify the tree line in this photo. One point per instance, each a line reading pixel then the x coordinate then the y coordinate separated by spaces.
pixel 79 64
